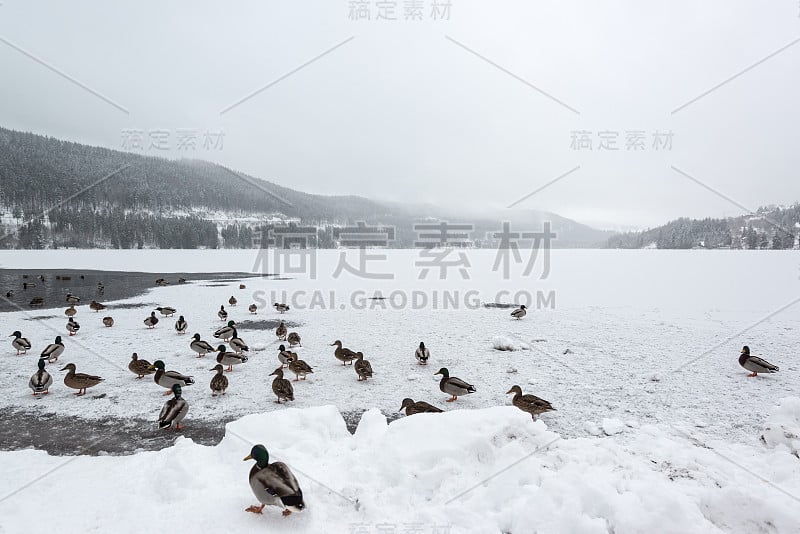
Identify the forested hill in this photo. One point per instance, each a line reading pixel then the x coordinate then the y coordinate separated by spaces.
pixel 56 193
pixel 768 228
pixel 37 172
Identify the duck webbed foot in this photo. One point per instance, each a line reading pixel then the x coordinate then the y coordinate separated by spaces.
pixel 254 509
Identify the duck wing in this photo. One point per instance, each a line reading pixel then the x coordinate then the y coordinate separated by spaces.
pixel 87 379
pixel 537 402
pixel 457 382
pixel 40 381
pixel 175 375
pixel 278 480
pixel 283 388
pixel 424 407
pixel 759 365
pixel 173 411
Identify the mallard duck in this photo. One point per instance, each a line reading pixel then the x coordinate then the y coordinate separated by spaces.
pixel 344 355
pixel 79 381
pixel 42 278
pixel 237 344
pixel 166 379
pixel 108 321
pixel 422 354
pixel 273 484
pixel 226 332
pixel 282 308
pixel 452 385
pixel 181 325
pixel 232 301
pixel 529 403
pixel 20 343
pixel 754 364
pixel 294 339
pixel 166 311
pixel 9 294
pixel 520 312
pixel 96 306
pixel 53 350
pixel 223 315
pixel 281 386
pixel 242 286
pixel 100 287
pixel 41 380
pixel 161 282
pixel 36 302
pixel 28 285
pixel 412 407
pixel 281 331
pixel 219 382
pixel 228 358
pixel 73 326
pixel 363 367
pixel 151 321
pixel 252 309
pixel 299 367
pixel 140 367
pixel 200 347
pixel 72 299
pixel 284 356
pixel 174 410
pixel 181 280
pixel 71 311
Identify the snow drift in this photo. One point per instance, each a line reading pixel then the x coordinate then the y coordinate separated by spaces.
pixel 490 470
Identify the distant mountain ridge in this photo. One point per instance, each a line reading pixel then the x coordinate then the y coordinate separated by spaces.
pixel 770 227
pixel 56 193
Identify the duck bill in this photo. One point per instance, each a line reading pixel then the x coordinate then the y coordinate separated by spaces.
pixel 248 457
pixel 63 368
pixel 151 367
pixel 509 391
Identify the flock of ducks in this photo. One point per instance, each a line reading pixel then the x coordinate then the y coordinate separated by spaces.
pixel 271 483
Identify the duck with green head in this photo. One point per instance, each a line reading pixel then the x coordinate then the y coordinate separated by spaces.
pixel 167 379
pixel 199 346
pixel 226 357
pixel 53 350
pixel 226 332
pixel 273 484
pixel 21 344
pixel 174 410
pixel 452 385
pixel 41 380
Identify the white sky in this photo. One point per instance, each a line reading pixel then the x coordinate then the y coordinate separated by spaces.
pixel 400 112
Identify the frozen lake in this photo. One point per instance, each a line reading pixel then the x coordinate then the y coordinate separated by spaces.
pixel 639 336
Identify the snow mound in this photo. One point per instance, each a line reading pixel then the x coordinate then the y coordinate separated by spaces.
pixel 489 470
pixel 506 343
pixel 782 427
pixel 612 426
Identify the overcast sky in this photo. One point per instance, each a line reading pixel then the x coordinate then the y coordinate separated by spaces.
pixel 475 111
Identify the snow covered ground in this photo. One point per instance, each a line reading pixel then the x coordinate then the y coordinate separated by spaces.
pixel 487 470
pixel 658 427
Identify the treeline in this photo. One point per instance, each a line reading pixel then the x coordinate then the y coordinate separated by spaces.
pixel 114 228
pixel 769 228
